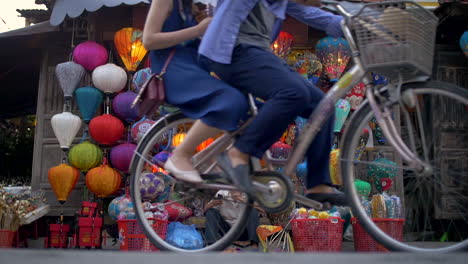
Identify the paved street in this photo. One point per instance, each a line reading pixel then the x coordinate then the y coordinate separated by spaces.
pixel 115 257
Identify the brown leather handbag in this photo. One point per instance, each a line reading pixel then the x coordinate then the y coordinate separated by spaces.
pixel 152 93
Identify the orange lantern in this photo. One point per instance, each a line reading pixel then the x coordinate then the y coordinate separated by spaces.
pixel 178 138
pixel 335 167
pixel 283 44
pixel 128 44
pixel 103 180
pixel 204 144
pixel 63 179
pixel 158 169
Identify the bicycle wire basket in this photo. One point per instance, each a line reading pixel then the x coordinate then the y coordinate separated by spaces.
pixel 395 37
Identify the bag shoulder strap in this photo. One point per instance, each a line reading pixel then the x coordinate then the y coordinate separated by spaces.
pixel 168 60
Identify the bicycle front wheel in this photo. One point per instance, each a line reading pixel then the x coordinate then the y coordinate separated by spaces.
pixel 205 229
pixel 434 206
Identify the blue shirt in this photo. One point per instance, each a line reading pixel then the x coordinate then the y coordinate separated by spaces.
pixel 220 38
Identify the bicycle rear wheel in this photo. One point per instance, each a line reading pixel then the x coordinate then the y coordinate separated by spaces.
pixel 435 204
pixel 217 230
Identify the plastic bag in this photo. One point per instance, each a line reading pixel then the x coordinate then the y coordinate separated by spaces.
pixel 184 236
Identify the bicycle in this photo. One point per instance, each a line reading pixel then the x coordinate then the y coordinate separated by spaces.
pixel 407 32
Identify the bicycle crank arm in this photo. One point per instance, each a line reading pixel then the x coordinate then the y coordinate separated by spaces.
pixel 308 202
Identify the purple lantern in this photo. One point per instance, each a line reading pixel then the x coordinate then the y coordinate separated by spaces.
pixel 151 185
pixel 121 156
pixel 90 55
pixel 122 105
pixel 161 157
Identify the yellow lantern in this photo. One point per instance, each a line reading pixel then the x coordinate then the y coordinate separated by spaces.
pixel 335 167
pixel 130 47
pixel 178 138
pixel 63 179
pixel 103 180
pixel 204 144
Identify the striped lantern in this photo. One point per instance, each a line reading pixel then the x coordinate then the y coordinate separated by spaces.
pixel 122 105
pixel 90 55
pixel 106 129
pixel 103 180
pixel 69 75
pixel 109 78
pixel 121 156
pixel 88 100
pixel 65 125
pixel 63 179
pixel 85 156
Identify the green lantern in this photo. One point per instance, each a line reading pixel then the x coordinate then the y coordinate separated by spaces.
pixel 382 171
pixel 85 156
pixel 363 188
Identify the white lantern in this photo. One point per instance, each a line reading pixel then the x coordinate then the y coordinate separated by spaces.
pixel 109 78
pixel 65 126
pixel 69 75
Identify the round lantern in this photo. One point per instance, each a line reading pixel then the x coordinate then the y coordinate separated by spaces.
pixel 283 44
pixel 109 78
pixel 85 156
pixel 121 206
pixel 122 105
pixel 464 43
pixel 342 109
pixel 62 179
pixel 335 167
pixel 69 75
pixel 205 144
pixel 140 128
pixel 65 125
pixel 279 150
pixel 151 185
pixel 363 188
pixel 301 170
pixel 103 180
pixel 161 157
pixel 130 47
pixel 90 55
pixel 121 156
pixel 106 129
pixel 356 95
pixel 178 138
pixel 88 100
pixel 334 53
pixel 380 170
pixel 140 77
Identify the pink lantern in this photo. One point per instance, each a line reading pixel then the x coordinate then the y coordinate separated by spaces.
pixel 279 150
pixel 90 55
pixel 121 156
pixel 122 105
pixel 140 128
pixel 356 95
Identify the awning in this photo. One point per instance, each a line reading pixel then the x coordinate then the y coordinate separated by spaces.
pixel 38 28
pixel 74 8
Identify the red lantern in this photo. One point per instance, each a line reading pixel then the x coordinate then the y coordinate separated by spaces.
pixel 103 180
pixel 283 44
pixel 279 150
pixel 63 179
pixel 204 144
pixel 106 129
pixel 356 95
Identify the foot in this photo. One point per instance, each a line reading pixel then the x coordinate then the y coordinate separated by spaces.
pixel 324 193
pixel 239 175
pixel 190 175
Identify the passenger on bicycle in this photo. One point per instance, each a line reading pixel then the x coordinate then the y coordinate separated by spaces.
pixel 170 25
pixel 236 46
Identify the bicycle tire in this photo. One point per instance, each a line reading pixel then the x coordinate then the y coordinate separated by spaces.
pixel 349 143
pixel 136 167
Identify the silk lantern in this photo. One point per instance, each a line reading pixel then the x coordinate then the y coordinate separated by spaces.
pixel 88 100
pixel 356 95
pixel 65 125
pixel 382 168
pixel 178 138
pixel 205 144
pixel 109 78
pixel 85 156
pixel 121 156
pixel 363 188
pixel 140 77
pixel 151 186
pixel 464 43
pixel 283 44
pixel 69 75
pixel 130 47
pixel 335 167
pixel 334 53
pixel 90 55
pixel 342 108
pixel 62 179
pixel 103 180
pixel 106 129
pixel 122 105
pixel 140 128
pixel 279 150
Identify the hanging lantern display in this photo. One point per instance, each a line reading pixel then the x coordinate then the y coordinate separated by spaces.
pixel 307 64
pixel 283 44
pixel 151 186
pixel 356 95
pixel 122 106
pixel 69 75
pixel 140 128
pixel 85 156
pixel 62 179
pixel 121 208
pixel 65 125
pixel 377 131
pixel 335 167
pixel 90 55
pixel 103 180
pixel 130 47
pixel 121 156
pixel 279 150
pixel 205 144
pixel 379 79
pixel 109 78
pixel 140 77
pixel 380 170
pixel 363 188
pixel 334 53
pixel 342 108
pixel 106 129
pixel 178 138
pixel 464 43
pixel 88 100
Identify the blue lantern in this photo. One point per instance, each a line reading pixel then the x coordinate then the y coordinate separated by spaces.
pixel 464 43
pixel 334 54
pixel 379 79
pixel 301 171
pixel 88 100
